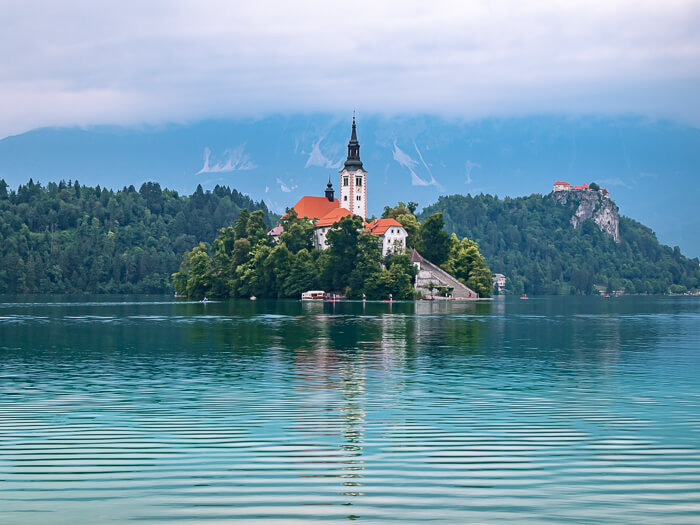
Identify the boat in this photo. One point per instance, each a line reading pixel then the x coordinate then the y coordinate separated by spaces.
pixel 253 298
pixel 524 296
pixel 313 295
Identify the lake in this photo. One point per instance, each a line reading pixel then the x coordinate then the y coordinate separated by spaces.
pixel 551 410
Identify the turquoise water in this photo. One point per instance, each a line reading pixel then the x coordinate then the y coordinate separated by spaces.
pixel 550 410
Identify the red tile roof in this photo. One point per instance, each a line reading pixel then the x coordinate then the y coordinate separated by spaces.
pixel 332 217
pixel 561 183
pixel 380 226
pixel 314 207
pixel 581 187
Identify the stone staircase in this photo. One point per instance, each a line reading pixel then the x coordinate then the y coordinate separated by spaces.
pixel 429 272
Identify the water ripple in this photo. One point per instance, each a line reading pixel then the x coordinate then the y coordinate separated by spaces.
pixel 282 412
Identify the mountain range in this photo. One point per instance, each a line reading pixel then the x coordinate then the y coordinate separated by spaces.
pixel 649 166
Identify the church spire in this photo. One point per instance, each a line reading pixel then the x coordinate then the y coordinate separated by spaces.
pixel 330 194
pixel 353 162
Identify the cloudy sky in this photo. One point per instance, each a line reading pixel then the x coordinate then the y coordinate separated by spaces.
pixel 132 62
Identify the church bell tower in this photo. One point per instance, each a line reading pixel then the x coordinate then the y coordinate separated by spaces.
pixel 353 179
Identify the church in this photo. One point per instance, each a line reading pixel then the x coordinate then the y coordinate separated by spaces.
pixel 327 210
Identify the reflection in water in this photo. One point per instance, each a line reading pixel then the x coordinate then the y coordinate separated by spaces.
pixel 547 410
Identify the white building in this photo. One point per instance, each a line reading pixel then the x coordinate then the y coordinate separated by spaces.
pixel 392 234
pixel 353 179
pixel 499 282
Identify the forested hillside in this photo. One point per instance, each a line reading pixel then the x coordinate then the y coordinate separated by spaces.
pixel 64 237
pixel 531 241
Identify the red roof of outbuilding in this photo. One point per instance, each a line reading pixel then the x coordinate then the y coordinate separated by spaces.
pixel 380 226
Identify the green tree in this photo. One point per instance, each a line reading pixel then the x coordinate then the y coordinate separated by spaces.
pixel 256 229
pixel 434 241
pixel 241 225
pixel 413 229
pixel 277 267
pixel 366 268
pixel 468 265
pixel 298 233
pixel 193 278
pixel 400 209
pixel 402 273
pixel 303 275
pixel 342 242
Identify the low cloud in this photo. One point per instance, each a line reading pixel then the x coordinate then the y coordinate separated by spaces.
pixel 232 160
pixel 112 62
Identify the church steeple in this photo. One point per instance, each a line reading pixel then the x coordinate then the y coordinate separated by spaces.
pixel 330 194
pixel 353 162
pixel 353 179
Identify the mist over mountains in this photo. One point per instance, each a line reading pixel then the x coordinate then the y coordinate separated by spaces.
pixel 649 166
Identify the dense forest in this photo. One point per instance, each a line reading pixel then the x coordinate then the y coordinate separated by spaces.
pixel 532 242
pixel 68 238
pixel 243 261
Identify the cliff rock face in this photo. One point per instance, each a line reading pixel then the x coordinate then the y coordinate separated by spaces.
pixel 594 205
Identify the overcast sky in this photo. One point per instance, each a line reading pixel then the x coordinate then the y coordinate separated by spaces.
pixel 71 62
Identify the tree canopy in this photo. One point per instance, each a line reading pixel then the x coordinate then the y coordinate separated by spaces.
pixel 69 238
pixel 244 266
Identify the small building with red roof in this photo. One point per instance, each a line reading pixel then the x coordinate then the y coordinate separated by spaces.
pixel 392 234
pixel 562 186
